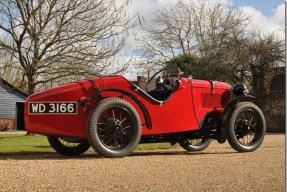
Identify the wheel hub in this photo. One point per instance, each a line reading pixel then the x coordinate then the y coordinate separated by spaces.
pixel 243 128
pixel 113 127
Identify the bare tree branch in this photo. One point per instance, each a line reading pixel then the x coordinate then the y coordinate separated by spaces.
pixel 46 36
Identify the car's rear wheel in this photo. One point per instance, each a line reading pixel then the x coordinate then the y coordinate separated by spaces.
pixel 245 127
pixel 192 145
pixel 114 128
pixel 68 146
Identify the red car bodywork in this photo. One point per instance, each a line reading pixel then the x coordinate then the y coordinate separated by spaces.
pixel 184 111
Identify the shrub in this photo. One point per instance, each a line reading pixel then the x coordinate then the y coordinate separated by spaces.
pixel 4 125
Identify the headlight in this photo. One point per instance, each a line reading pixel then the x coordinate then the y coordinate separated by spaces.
pixel 240 89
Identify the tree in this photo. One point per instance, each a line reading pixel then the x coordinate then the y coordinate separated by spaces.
pixel 10 72
pixel 189 64
pixel 209 41
pixel 264 53
pixel 197 29
pixel 54 39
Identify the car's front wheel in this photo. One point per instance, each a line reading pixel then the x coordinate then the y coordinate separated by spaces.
pixel 192 145
pixel 68 146
pixel 114 128
pixel 245 127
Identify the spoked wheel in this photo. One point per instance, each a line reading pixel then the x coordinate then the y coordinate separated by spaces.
pixel 245 127
pixel 194 144
pixel 68 146
pixel 115 128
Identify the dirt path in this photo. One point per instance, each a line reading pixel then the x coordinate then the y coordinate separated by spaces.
pixel 218 168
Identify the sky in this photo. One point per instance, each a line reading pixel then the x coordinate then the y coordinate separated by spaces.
pixel 267 16
pixel 266 7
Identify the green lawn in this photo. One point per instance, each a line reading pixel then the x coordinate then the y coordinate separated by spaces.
pixel 19 143
pixel 39 144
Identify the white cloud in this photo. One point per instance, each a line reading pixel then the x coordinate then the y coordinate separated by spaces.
pixel 279 14
pixel 272 24
pixel 148 8
pixel 265 24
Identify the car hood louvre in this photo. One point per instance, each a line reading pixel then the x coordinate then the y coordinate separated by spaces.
pixel 208 84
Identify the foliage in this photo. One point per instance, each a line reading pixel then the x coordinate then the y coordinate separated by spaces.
pixel 5 125
pixel 192 65
pixel 247 61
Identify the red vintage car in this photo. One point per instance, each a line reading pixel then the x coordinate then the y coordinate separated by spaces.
pixel 113 115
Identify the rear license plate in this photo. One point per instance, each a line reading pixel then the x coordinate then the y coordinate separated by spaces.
pixel 53 108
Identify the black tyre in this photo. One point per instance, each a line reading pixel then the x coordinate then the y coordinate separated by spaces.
pixel 114 128
pixel 193 145
pixel 245 127
pixel 68 146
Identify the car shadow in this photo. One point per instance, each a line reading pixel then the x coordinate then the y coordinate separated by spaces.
pixel 185 153
pixel 26 155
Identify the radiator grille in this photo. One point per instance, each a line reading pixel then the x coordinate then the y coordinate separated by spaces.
pixel 210 100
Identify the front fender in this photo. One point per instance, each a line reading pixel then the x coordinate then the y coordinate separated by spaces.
pixel 230 106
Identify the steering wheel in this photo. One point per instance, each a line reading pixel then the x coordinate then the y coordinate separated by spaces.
pixel 160 82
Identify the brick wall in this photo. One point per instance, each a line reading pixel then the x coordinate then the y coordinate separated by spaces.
pixel 269 76
pixel 273 107
pixel 272 102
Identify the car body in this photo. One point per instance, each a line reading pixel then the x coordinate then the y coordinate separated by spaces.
pixel 190 109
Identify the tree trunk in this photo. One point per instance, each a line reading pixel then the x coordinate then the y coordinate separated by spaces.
pixel 31 84
pixel 31 89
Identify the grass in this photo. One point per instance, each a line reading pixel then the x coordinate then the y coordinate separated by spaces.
pixel 39 144
pixel 19 143
pixel 155 146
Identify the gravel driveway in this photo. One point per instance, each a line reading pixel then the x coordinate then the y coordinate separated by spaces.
pixel 218 168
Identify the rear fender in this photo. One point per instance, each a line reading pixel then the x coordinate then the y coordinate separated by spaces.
pixel 134 98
